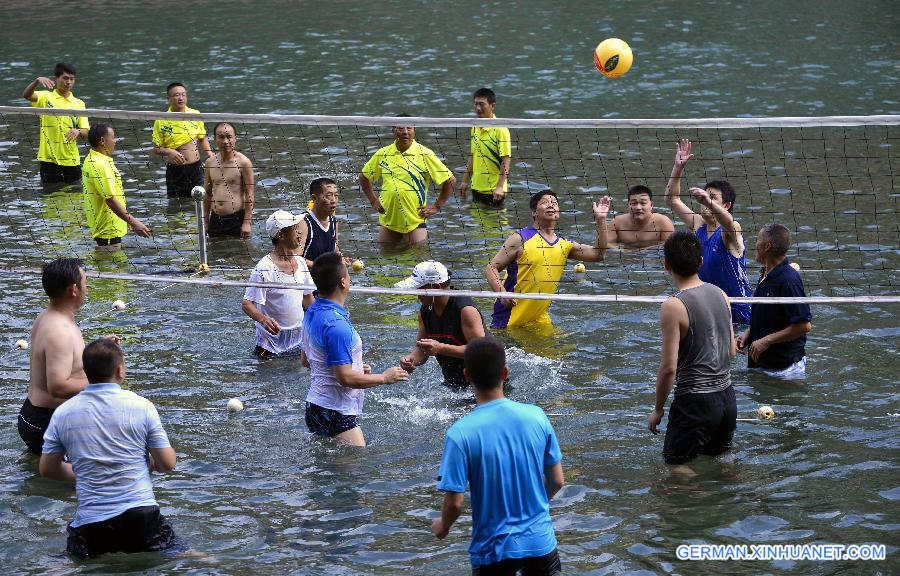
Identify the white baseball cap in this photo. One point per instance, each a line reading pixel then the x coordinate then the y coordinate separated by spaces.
pixel 281 219
pixel 424 274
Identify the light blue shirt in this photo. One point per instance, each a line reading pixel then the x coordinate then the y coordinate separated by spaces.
pixel 500 451
pixel 106 433
pixel 329 340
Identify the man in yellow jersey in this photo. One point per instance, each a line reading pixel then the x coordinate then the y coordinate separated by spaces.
pixel 534 259
pixel 406 170
pixel 58 150
pixel 103 196
pixel 488 166
pixel 180 141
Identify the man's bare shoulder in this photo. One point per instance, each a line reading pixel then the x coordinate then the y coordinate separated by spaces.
pixel 242 160
pixel 55 327
pixel 214 161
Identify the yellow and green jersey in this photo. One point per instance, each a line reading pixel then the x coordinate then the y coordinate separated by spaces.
pixel 489 146
pixel 538 270
pixel 54 147
pixel 176 133
pixel 405 179
pixel 100 180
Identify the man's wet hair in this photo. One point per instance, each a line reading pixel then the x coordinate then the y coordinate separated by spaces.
pixel 100 359
pixel 535 198
pixel 639 189
pixel 727 190
pixel 57 275
pixel 487 94
pixel 778 236
pixel 318 185
pixel 683 253
pixel 97 132
pixel 63 68
pixel 484 360
pixel 327 271
pixel 175 85
pixel 216 127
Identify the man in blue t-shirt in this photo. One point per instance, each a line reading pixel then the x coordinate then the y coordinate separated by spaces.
pixel 776 339
pixel 506 453
pixel 332 350
pixel 113 439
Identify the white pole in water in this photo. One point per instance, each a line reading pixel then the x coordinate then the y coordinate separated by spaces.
pixel 197 193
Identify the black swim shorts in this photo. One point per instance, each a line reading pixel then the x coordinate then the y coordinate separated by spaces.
pixel 181 179
pixel 33 422
pixel 700 424
pixel 486 198
pixel 54 173
pixel 546 565
pixel 327 422
pixel 229 225
pixel 141 529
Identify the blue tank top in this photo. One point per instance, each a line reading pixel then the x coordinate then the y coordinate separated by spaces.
pixel 319 241
pixel 721 268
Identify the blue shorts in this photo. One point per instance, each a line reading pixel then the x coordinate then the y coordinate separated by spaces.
pixel 327 422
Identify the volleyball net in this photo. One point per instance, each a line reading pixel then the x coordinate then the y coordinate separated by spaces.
pixel 832 181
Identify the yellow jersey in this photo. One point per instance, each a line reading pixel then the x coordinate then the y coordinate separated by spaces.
pixel 538 270
pixel 489 145
pixel 100 180
pixel 54 147
pixel 405 179
pixel 176 133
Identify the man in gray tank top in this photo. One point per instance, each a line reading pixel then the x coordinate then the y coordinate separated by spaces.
pixel 697 349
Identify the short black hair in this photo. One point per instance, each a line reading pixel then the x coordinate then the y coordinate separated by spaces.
pixel 216 127
pixel 63 68
pixel 487 94
pixel 639 189
pixel 327 271
pixel 727 190
pixel 535 198
pixel 59 274
pixel 97 131
pixel 778 236
pixel 173 85
pixel 318 185
pixel 100 360
pixel 484 360
pixel 683 253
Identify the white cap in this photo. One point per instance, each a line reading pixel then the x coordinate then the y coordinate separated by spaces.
pixel 425 273
pixel 281 219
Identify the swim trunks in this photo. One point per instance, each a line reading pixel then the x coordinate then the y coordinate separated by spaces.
pixel 486 197
pixel 327 422
pixel 180 179
pixel 229 225
pixel 701 423
pixel 54 173
pixel 141 529
pixel 546 565
pixel 107 241
pixel 33 422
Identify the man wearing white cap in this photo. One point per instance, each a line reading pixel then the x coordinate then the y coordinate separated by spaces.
pixel 278 312
pixel 446 323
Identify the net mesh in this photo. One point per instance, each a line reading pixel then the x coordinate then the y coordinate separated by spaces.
pixel 833 183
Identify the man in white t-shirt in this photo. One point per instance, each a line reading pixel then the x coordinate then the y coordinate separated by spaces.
pixel 278 312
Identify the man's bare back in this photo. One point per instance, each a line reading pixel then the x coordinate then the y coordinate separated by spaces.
pixel 630 233
pixel 56 347
pixel 228 184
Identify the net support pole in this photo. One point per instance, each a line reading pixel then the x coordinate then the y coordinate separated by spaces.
pixel 197 193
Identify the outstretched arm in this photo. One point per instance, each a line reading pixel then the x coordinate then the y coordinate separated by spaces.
pixel 596 252
pixel 673 187
pixel 731 230
pixel 29 94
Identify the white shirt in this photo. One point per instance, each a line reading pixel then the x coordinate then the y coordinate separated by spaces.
pixel 283 305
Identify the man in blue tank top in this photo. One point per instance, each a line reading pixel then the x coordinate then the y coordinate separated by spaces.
pixel 507 455
pixel 724 262
pixel 697 349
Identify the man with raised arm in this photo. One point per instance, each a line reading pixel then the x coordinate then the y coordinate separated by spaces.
pixel 775 342
pixel 489 155
pixel 58 148
pixel 534 259
pixel 181 141
pixel 113 439
pixel 406 170
pixel 103 197
pixel 446 323
pixel 506 455
pixel 228 179
pixel 697 349
pixel 724 262
pixel 332 349
pixel 640 227
pixel 56 344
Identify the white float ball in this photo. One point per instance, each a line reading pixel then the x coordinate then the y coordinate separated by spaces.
pixel 795 266
pixel 21 344
pixel 234 405
pixel 765 412
pixel 118 305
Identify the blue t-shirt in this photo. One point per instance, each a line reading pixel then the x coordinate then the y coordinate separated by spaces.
pixel 781 281
pixel 329 340
pixel 106 432
pixel 722 269
pixel 500 451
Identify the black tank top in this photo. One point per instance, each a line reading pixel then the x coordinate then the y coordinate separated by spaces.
pixel 447 329
pixel 319 241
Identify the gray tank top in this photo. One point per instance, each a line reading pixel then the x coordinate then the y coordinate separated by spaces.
pixel 704 354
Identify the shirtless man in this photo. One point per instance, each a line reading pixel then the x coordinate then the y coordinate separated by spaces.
pixel 228 179
pixel 56 346
pixel 640 227
pixel 180 141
